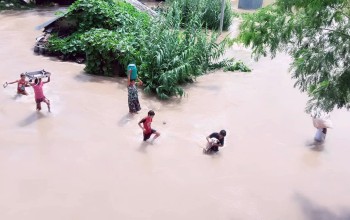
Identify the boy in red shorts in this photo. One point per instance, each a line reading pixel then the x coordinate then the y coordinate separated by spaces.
pixel 146 128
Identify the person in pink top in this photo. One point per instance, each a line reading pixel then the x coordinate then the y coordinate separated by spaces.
pixel 39 93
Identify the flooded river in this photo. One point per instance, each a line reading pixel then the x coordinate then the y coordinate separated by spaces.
pixel 86 159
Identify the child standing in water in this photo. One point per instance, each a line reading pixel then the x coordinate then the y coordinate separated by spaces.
pixel 39 94
pixel 21 84
pixel 146 128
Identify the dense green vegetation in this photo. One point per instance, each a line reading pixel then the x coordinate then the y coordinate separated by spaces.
pixel 167 51
pixel 13 4
pixel 317 36
pixel 208 10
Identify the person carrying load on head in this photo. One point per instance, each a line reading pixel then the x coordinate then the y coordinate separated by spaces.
pixel 39 93
pixel 321 122
pixel 133 81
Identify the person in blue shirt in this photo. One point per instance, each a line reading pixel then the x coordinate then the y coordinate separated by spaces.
pixel 133 81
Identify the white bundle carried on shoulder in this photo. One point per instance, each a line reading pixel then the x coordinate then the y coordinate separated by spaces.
pixel 322 121
pixel 214 140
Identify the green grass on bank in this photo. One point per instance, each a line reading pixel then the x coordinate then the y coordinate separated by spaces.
pixel 13 5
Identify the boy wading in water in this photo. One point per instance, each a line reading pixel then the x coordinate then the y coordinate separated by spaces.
pixel 39 94
pixel 21 85
pixel 146 128
pixel 213 146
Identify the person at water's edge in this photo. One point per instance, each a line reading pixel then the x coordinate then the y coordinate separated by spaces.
pixel 146 128
pixel 221 139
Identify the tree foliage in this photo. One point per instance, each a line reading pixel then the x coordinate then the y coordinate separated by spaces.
pixel 13 4
pixel 317 35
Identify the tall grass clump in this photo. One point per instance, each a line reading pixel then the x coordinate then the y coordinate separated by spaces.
pixel 208 10
pixel 173 55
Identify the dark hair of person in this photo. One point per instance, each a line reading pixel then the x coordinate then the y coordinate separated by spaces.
pixel 223 133
pixel 151 113
pixel 36 81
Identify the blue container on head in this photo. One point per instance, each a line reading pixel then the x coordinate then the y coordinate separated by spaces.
pixel 133 74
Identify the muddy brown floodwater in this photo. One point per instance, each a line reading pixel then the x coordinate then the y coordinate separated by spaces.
pixel 86 159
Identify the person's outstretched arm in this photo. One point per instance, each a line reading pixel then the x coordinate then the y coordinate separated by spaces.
pixel 48 80
pixel 13 82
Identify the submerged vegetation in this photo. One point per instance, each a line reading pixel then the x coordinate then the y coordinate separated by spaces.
pixel 237 66
pixel 168 51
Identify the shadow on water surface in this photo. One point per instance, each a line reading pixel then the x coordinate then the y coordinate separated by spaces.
pixel 16 96
pixel 33 117
pixel 313 211
pixel 125 119
pixel 143 146
pixel 316 146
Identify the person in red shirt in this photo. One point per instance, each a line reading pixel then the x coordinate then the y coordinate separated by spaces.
pixel 146 128
pixel 21 85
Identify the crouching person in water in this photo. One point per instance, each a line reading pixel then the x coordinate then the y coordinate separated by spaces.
pixel 39 94
pixel 215 140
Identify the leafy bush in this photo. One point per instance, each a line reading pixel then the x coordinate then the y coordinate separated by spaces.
pixel 13 4
pixel 104 48
pixel 107 14
pixel 168 53
pixel 72 45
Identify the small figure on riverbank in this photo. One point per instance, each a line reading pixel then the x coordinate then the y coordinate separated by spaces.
pixel 21 84
pixel 39 93
pixel 215 140
pixel 133 81
pixel 146 128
